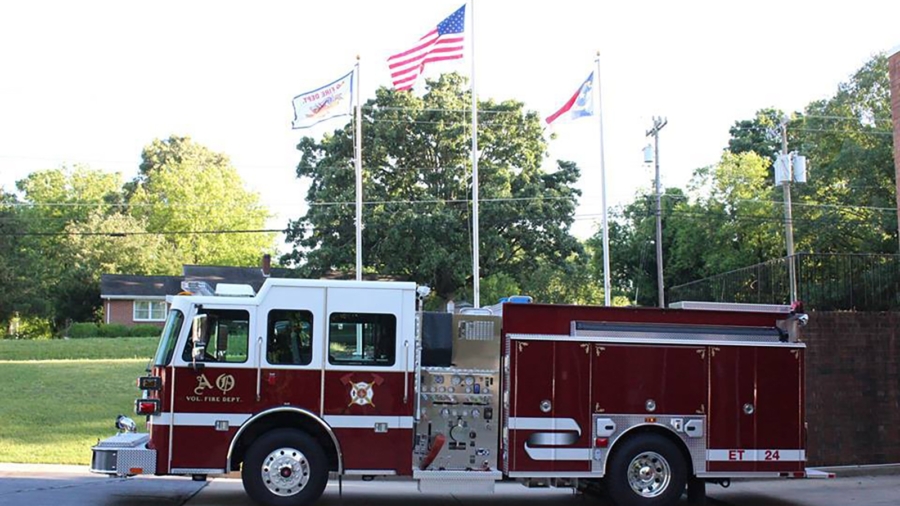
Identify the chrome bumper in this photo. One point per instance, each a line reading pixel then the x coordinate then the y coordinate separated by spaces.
pixel 125 454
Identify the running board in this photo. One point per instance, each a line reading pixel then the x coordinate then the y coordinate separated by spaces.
pixel 457 482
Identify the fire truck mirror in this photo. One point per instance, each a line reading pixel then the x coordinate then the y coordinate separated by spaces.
pixel 222 341
pixel 199 336
pixel 198 330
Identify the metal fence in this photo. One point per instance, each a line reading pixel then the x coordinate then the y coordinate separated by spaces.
pixel 826 282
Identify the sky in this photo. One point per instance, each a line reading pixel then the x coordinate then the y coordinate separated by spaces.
pixel 93 82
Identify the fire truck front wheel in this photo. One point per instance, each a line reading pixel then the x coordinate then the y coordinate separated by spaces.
pixel 646 470
pixel 285 467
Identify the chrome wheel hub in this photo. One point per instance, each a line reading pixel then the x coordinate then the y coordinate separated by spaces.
pixel 285 471
pixel 649 474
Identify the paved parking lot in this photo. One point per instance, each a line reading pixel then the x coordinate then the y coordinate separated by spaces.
pixel 75 487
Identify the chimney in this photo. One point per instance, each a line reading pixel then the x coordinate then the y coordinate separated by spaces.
pixel 894 66
pixel 266 265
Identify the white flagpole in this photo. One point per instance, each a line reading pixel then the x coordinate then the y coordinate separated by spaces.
pixel 476 271
pixel 606 283
pixel 358 163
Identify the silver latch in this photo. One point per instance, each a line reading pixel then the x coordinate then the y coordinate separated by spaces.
pixel 381 427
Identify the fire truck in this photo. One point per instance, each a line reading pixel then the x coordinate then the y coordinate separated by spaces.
pixel 312 379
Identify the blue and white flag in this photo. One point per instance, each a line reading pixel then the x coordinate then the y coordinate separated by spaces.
pixel 330 101
pixel 581 104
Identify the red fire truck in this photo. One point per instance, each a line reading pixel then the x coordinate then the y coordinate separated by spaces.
pixel 311 379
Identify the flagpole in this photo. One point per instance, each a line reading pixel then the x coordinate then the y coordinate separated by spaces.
pixel 606 283
pixel 476 271
pixel 358 163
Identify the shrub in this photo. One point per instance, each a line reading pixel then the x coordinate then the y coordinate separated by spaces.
pixel 26 327
pixel 145 331
pixel 114 330
pixel 82 330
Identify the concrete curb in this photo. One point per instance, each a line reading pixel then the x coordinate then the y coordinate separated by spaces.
pixel 856 471
pixel 42 469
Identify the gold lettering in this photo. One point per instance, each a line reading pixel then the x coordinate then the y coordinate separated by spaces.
pixel 202 384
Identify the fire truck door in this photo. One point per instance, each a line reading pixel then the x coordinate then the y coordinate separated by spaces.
pixel 732 409
pixel 368 376
pixel 292 323
pixel 214 390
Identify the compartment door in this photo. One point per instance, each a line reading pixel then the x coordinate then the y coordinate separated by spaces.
pixel 732 409
pixel 779 417
pixel 531 404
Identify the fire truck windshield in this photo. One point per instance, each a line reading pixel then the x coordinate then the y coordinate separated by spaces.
pixel 169 337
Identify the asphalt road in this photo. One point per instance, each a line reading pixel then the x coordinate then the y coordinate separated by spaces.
pixel 77 489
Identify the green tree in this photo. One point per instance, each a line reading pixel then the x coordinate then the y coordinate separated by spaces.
pixel 52 201
pixel 417 187
pixel 194 197
pixel 849 203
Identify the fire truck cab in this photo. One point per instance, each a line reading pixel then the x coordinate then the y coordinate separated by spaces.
pixel 309 379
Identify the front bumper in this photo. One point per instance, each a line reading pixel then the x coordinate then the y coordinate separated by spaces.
pixel 125 454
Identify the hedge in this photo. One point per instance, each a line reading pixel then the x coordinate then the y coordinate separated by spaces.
pixel 82 330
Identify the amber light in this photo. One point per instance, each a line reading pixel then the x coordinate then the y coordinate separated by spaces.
pixel 651 419
pixel 149 382
pixel 146 406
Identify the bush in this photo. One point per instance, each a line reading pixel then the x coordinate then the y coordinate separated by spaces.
pixel 145 331
pixel 26 327
pixel 113 330
pixel 83 330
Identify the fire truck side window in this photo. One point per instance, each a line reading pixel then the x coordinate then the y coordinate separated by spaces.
pixel 227 336
pixel 289 337
pixel 362 339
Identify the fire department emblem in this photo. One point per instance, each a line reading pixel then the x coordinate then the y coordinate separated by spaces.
pixel 362 393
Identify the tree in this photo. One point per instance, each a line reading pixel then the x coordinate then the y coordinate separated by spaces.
pixel 52 201
pixel 727 220
pixel 194 197
pixel 849 203
pixel 417 186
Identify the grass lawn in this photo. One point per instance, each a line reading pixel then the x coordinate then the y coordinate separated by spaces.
pixel 58 397
pixel 53 411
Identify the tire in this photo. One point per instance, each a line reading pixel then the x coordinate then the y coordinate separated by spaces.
pixel 646 470
pixel 285 467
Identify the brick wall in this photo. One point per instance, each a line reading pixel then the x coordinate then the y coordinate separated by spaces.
pixel 853 388
pixel 122 311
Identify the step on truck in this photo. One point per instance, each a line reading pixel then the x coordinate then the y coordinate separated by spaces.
pixel 309 380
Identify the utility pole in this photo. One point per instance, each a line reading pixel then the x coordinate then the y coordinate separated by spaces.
pixel 658 124
pixel 788 218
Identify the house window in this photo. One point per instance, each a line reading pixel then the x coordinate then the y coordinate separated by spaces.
pixel 150 310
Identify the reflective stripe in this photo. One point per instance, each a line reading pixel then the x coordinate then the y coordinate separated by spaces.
pixel 529 423
pixel 368 422
pixel 558 453
pixel 744 455
pixel 199 419
pixel 238 419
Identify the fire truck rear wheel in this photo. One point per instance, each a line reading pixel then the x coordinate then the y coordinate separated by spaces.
pixel 646 470
pixel 285 467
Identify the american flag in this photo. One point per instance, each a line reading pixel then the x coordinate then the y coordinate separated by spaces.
pixel 442 43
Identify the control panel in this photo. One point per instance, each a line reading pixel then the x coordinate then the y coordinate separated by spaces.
pixel 459 420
